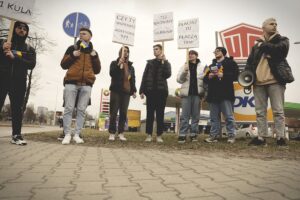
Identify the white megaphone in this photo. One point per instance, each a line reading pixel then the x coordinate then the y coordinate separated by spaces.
pixel 246 80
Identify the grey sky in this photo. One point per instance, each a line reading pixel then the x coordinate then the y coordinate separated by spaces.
pixel 213 16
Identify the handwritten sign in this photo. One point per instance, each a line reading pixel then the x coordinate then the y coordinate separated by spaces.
pixel 18 10
pixel 124 29
pixel 188 33
pixel 163 27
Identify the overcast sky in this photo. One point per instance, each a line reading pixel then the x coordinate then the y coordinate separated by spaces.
pixel 213 16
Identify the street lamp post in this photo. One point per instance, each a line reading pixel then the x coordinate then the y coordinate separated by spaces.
pixel 54 115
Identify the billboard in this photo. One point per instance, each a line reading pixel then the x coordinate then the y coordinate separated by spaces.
pixel 244 106
pixel 239 39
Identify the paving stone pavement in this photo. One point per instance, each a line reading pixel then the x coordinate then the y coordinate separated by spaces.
pixel 52 171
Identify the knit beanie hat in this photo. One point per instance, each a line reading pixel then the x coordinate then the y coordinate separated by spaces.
pixel 223 50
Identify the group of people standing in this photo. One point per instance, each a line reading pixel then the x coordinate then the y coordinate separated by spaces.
pixel 214 83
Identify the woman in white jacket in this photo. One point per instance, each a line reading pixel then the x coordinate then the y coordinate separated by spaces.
pixel 190 76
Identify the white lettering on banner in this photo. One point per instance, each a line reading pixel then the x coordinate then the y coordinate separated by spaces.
pixel 124 29
pixel 188 34
pixel 18 10
pixel 163 27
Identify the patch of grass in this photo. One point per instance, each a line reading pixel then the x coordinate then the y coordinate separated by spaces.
pixel 135 140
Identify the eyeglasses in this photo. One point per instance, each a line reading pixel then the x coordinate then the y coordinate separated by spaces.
pixel 22 28
pixel 156 49
pixel 217 51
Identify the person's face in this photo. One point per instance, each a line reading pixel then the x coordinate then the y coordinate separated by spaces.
pixel 126 53
pixel 156 51
pixel 192 57
pixel 270 28
pixel 85 36
pixel 218 53
pixel 21 30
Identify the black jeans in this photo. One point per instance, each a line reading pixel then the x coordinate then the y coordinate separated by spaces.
pixel 156 102
pixel 118 102
pixel 16 92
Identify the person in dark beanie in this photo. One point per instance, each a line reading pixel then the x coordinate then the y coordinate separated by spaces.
pixel 269 52
pixel 154 85
pixel 220 76
pixel 82 64
pixel 121 88
pixel 16 57
pixel 190 76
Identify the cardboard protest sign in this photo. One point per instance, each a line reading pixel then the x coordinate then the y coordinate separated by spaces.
pixel 124 29
pixel 18 10
pixel 188 33
pixel 163 27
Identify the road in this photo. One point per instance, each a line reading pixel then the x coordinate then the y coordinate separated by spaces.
pixel 6 130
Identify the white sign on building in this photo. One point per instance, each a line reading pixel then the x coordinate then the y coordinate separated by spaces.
pixel 18 10
pixel 188 33
pixel 163 27
pixel 124 29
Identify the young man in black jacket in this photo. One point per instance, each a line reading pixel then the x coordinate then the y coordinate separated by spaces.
pixel 154 85
pixel 16 58
pixel 269 52
pixel 121 88
pixel 220 76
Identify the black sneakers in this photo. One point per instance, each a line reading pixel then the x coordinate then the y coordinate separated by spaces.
pixel 281 142
pixel 194 138
pixel 181 139
pixel 18 140
pixel 61 136
pixel 258 142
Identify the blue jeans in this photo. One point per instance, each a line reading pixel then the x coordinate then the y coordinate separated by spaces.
pixel 276 94
pixel 70 94
pixel 190 109
pixel 225 107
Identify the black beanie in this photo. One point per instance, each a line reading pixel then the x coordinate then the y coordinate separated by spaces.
pixel 223 50
pixel 86 29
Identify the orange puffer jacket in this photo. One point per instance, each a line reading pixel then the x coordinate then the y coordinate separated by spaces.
pixel 82 69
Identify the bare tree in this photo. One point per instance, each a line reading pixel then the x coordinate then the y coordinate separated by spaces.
pixel 29 115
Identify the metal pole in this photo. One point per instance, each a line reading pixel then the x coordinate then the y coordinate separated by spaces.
pixel 216 35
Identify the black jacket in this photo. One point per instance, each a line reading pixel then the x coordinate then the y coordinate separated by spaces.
pixel 277 48
pixel 155 76
pixel 17 68
pixel 222 89
pixel 117 77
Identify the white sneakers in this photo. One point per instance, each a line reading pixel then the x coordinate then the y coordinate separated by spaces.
pixel 149 138
pixel 66 139
pixel 76 138
pixel 111 137
pixel 121 136
pixel 158 139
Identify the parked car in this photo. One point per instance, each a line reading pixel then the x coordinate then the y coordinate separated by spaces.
pixel 247 130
